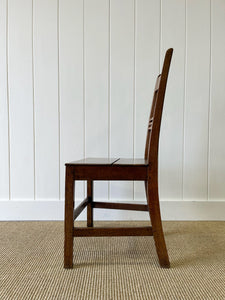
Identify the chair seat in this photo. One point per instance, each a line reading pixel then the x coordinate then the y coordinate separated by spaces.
pixel 132 162
pixel 109 162
pixel 94 161
pixel 109 169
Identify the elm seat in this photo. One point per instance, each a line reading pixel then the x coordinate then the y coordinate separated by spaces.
pixel 146 169
pixel 109 161
pixel 93 161
pixel 109 169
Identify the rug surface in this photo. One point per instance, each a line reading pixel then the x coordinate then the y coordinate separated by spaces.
pixel 31 263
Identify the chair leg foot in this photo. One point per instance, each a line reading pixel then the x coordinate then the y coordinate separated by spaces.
pixel 165 265
pixel 68 266
pixel 154 210
pixel 68 254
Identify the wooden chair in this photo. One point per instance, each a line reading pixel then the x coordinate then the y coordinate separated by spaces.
pixel 146 169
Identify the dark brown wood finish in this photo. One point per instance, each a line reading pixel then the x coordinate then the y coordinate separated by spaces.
pixel 152 153
pixel 80 208
pixel 146 170
pixel 122 206
pixel 110 172
pixel 69 207
pixel 90 203
pixel 116 231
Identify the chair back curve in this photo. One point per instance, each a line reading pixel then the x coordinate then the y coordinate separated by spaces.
pixel 154 123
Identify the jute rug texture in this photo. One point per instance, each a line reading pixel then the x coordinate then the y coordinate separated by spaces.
pixel 31 263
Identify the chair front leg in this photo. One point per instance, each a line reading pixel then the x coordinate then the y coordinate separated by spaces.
pixel 89 206
pixel 154 210
pixel 69 222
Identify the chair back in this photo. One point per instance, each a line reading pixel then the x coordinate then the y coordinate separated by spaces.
pixel 152 139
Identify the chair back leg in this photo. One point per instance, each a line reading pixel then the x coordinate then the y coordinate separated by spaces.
pixel 154 211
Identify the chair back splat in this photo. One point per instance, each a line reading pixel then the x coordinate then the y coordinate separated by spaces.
pixel 154 124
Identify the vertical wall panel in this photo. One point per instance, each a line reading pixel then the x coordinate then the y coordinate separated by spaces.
pixel 20 99
pixel 71 87
pixel 147 68
pixel 171 136
pixel 217 116
pixel 122 87
pixel 197 100
pixel 4 151
pixel 96 42
pixel 46 99
pixel 106 55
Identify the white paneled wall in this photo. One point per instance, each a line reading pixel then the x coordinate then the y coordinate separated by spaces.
pixel 20 101
pixel 172 134
pixel 77 78
pixel 4 105
pixel 122 72
pixel 216 166
pixel 147 41
pixel 46 98
pixel 197 97
pixel 71 88
pixel 96 83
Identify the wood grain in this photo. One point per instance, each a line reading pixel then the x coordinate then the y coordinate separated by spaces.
pixel 117 231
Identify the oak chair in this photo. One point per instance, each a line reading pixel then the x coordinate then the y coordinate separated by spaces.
pixel 146 170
